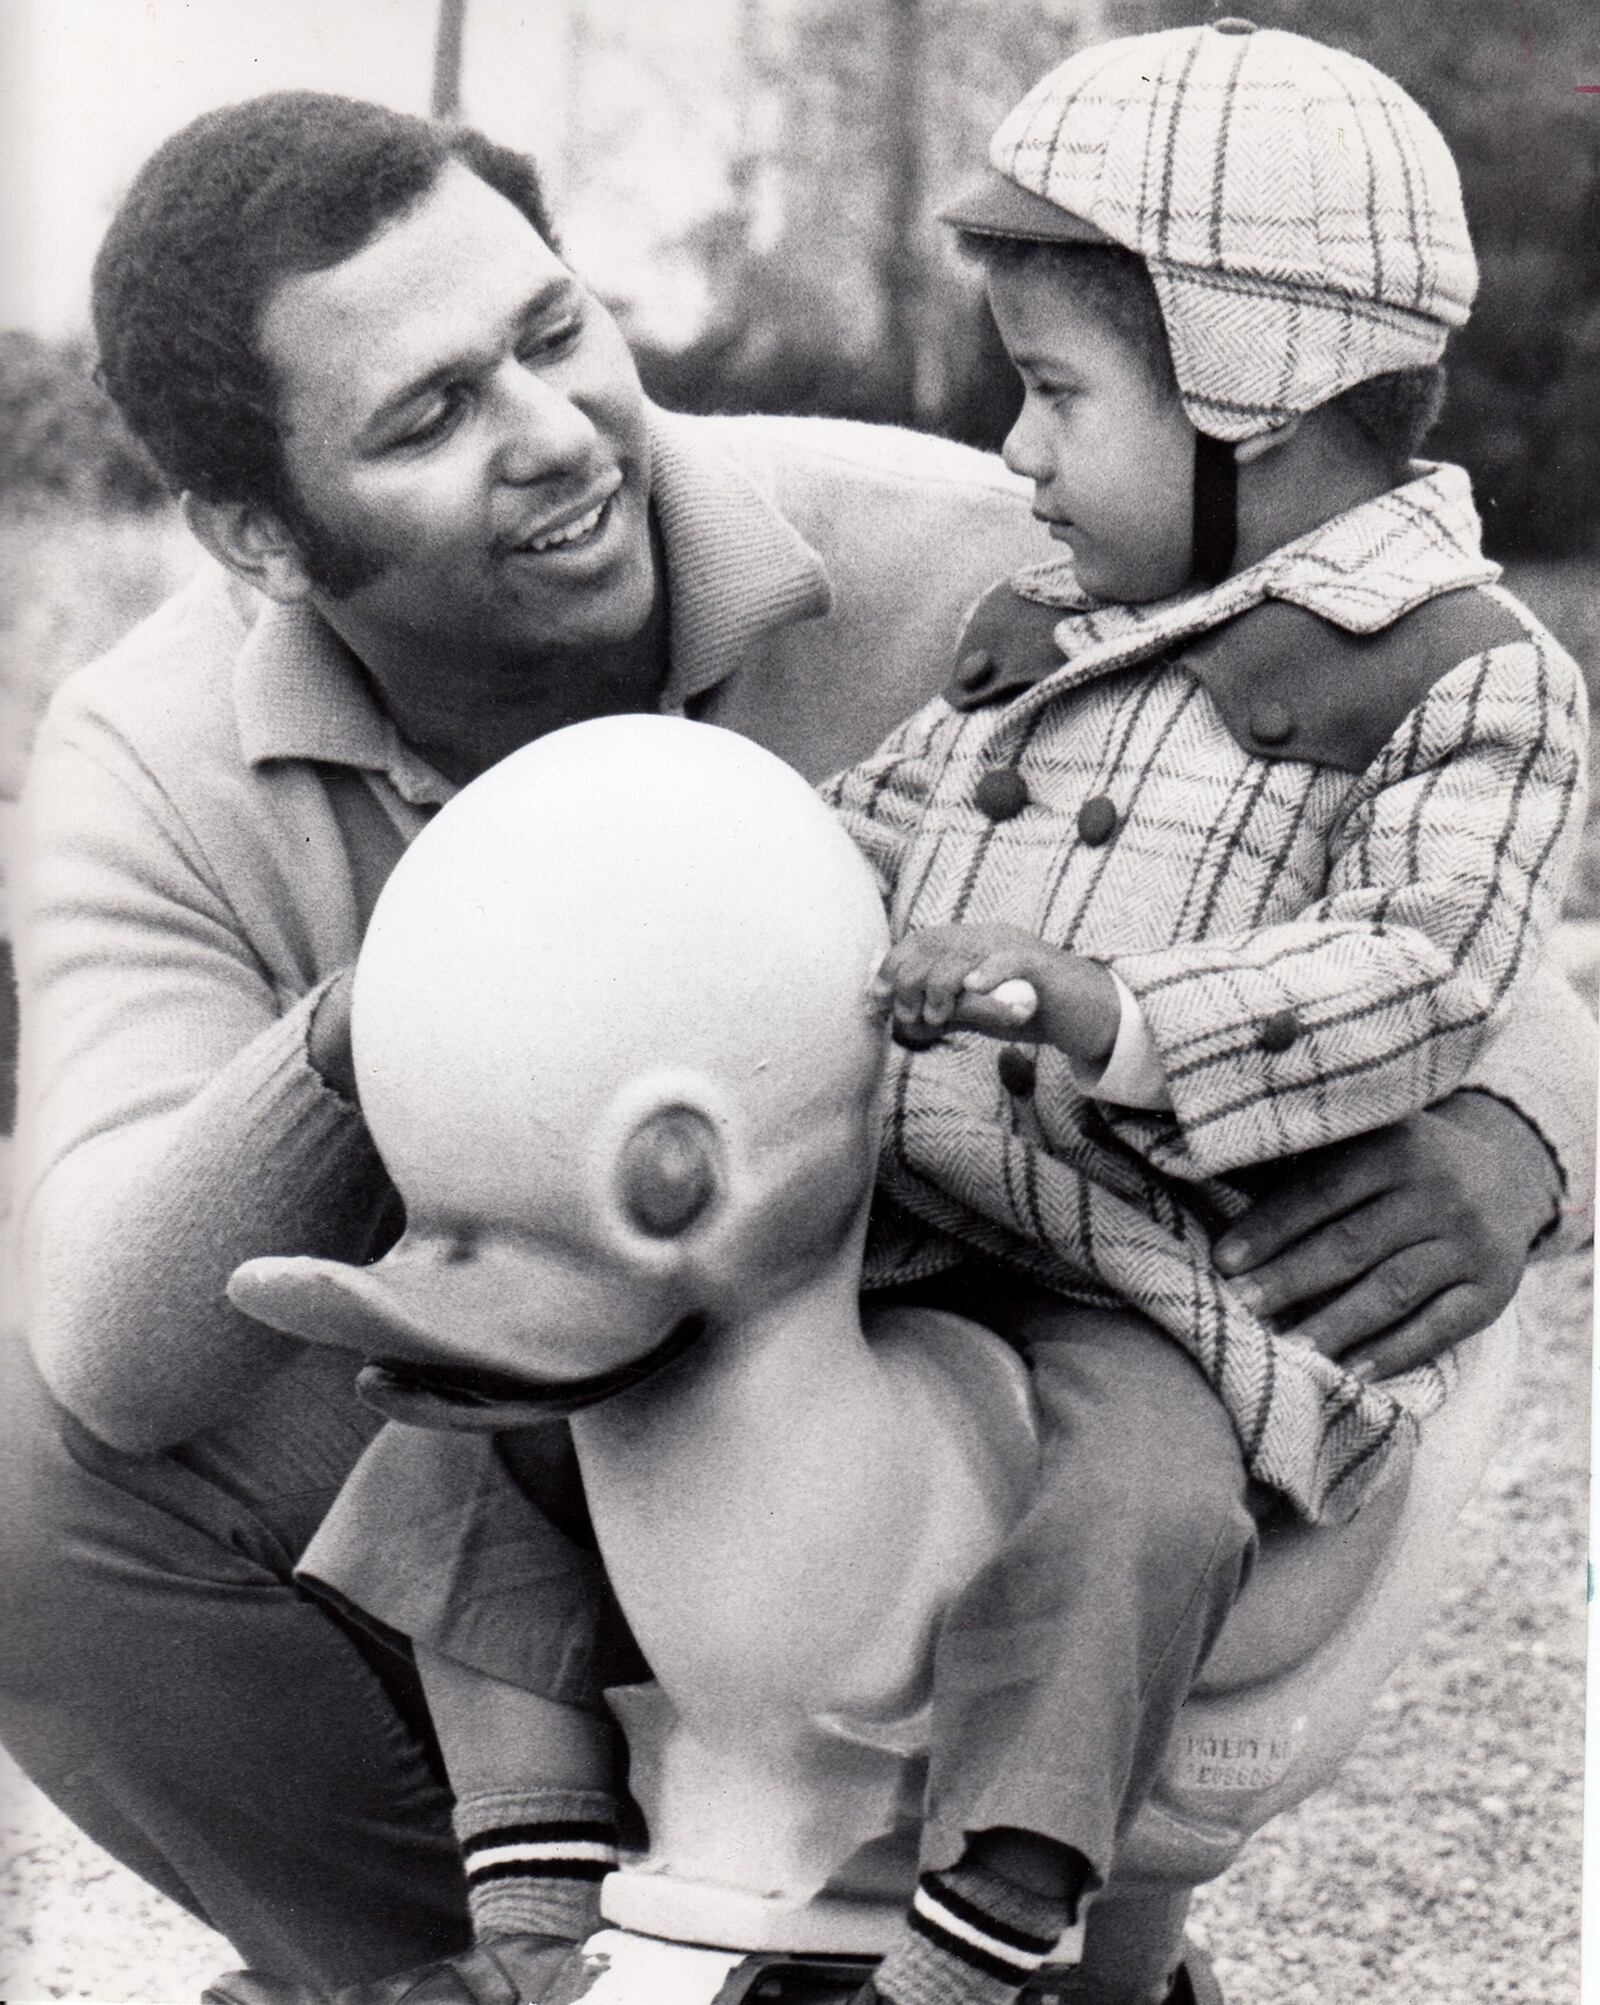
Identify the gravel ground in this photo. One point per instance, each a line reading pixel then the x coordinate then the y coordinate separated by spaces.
pixel 1441 1869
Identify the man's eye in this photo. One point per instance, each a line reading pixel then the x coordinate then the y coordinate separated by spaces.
pixel 550 340
pixel 434 422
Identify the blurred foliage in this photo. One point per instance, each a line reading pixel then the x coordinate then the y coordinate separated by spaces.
pixel 72 582
pixel 61 439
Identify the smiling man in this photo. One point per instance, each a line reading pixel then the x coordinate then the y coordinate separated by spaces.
pixel 446 521
pixel 468 434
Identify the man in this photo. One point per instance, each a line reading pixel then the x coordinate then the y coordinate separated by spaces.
pixel 445 521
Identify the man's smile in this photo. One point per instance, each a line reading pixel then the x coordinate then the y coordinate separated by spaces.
pixel 578 523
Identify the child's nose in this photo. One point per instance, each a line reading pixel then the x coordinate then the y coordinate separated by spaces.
pixel 1024 451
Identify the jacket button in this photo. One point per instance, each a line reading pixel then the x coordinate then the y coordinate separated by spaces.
pixel 1001 793
pixel 1018 1071
pixel 1097 820
pixel 1279 1030
pixel 975 671
pixel 1271 724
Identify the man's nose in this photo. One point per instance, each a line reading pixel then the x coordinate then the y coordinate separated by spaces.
pixel 541 431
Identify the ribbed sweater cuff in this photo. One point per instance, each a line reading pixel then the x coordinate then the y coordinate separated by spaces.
pixel 1541 1063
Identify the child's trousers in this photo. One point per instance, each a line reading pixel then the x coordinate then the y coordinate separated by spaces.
pixel 1062 1668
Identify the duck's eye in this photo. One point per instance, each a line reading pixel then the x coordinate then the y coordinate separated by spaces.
pixel 667 1177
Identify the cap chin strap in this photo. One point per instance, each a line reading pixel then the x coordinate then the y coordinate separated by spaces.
pixel 1216 508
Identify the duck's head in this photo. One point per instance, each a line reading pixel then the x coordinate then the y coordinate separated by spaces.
pixel 614 1043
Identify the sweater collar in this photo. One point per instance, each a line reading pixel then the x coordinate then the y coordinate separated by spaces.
pixel 1362 571
pixel 736 570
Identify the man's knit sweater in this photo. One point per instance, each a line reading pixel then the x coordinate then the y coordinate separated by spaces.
pixel 1316 951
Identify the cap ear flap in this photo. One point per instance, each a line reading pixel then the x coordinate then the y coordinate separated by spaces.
pixel 328 1302
pixel 1248 451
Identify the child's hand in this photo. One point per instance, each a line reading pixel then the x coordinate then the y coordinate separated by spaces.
pixel 1001 982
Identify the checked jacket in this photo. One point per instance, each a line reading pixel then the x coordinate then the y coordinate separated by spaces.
pixel 1316 951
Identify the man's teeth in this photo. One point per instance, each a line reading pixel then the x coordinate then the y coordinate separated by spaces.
pixel 573 532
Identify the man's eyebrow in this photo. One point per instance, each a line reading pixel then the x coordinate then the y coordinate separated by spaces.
pixel 555 291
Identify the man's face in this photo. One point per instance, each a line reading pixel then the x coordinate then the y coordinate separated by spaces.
pixel 463 417
pixel 1109 449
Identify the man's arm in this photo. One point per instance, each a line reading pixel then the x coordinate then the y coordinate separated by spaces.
pixel 1386 1250
pixel 171 1122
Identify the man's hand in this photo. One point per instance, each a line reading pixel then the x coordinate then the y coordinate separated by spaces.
pixel 1002 982
pixel 1386 1250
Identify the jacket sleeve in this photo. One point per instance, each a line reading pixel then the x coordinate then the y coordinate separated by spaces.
pixel 170 1123
pixel 1446 873
pixel 880 801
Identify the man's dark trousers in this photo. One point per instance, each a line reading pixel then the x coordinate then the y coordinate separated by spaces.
pixel 165 1682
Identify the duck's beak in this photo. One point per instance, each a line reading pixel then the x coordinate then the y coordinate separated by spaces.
pixel 446 1332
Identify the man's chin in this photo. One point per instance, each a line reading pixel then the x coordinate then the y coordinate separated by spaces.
pixel 617 613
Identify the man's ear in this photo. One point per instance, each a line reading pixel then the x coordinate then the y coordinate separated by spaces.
pixel 1248 451
pixel 252 543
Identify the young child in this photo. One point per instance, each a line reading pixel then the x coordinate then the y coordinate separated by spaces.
pixel 1238 826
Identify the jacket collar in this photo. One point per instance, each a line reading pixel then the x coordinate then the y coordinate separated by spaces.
pixel 1362 571
pixel 736 571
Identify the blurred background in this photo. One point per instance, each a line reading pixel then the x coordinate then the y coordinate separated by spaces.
pixel 752 185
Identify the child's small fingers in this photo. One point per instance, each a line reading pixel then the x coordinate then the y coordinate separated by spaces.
pixel 1013 996
pixel 943 987
pixel 992 970
pixel 900 977
pixel 892 966
pixel 979 1014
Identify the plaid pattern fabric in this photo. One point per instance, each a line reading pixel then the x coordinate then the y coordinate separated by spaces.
pixel 1301 216
pixel 1392 911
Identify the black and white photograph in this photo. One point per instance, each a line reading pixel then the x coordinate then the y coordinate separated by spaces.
pixel 799 947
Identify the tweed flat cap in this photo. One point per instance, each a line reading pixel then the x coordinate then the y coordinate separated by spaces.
pixel 1300 214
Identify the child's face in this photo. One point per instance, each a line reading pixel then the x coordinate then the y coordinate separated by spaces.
pixel 1109 450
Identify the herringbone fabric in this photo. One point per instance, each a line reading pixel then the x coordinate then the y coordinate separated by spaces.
pixel 1392 912
pixel 1300 214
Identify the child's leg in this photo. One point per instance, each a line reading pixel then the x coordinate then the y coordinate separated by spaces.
pixel 478 1549
pixel 535 1788
pixel 1061 1669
